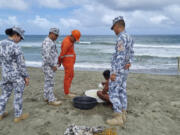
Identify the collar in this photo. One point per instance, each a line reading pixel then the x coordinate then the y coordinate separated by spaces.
pixel 10 40
pixel 50 39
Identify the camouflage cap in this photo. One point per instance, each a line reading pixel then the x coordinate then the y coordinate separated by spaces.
pixel 54 30
pixel 115 20
pixel 19 31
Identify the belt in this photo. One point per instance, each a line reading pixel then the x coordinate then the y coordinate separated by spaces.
pixel 67 56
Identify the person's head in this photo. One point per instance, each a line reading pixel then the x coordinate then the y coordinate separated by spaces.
pixel 15 33
pixel 118 25
pixel 75 36
pixel 53 33
pixel 106 74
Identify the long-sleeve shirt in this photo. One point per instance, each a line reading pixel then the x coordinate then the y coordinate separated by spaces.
pixel 12 60
pixel 49 53
pixel 67 50
pixel 123 53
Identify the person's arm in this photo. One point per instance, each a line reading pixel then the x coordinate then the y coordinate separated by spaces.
pixel 21 65
pixel 64 49
pixel 116 61
pixel 106 88
pixel 129 54
pixel 113 64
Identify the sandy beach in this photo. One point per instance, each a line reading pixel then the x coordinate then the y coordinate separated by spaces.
pixel 153 106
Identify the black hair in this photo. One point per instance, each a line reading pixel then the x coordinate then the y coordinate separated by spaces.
pixel 10 32
pixel 106 74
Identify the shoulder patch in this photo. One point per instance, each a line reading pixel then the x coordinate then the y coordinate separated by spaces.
pixel 120 45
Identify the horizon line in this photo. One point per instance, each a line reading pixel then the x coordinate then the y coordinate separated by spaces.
pixel 104 35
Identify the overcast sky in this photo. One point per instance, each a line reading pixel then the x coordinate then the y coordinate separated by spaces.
pixel 91 16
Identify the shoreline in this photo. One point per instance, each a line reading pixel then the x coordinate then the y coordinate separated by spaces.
pixel 166 72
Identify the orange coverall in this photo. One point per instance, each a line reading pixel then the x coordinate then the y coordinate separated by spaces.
pixel 67 58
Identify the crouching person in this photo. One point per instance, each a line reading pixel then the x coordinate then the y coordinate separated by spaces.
pixel 104 93
pixel 50 60
pixel 14 73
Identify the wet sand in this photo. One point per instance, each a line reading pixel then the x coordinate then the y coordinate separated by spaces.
pixel 153 106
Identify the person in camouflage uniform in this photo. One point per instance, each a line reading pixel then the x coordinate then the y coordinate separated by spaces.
pixel 49 66
pixel 14 73
pixel 120 65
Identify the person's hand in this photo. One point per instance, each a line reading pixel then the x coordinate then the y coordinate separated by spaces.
pixel 127 66
pixel 113 77
pixel 26 81
pixel 54 68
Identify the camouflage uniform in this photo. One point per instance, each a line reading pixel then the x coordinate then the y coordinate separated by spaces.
pixel 13 74
pixel 123 55
pixel 83 130
pixel 50 59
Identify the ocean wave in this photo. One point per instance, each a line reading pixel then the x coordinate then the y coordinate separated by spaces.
pixel 77 65
pixel 104 43
pixel 157 56
pixel 33 63
pixel 103 66
pixel 157 46
pixel 84 42
pixel 136 45
pixel 96 43
pixel 31 44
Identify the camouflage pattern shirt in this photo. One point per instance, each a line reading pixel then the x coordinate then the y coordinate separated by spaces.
pixel 123 53
pixel 49 53
pixel 12 61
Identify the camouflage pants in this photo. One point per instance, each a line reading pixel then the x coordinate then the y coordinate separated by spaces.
pixel 7 88
pixel 117 92
pixel 49 76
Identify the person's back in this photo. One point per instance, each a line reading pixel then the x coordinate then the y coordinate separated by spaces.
pixel 67 48
pixel 14 73
pixel 67 58
pixel 49 52
pixel 9 51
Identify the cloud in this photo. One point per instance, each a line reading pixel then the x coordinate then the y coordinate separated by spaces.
pixel 42 22
pixel 59 4
pixel 160 19
pixel 131 5
pixel 173 11
pixel 14 4
pixel 51 3
pixel 95 17
pixel 9 21
pixel 68 23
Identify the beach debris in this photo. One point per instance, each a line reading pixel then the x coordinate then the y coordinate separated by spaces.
pixel 110 131
pixel 83 130
pixel 175 104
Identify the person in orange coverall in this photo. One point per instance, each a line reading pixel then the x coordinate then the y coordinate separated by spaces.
pixel 67 58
